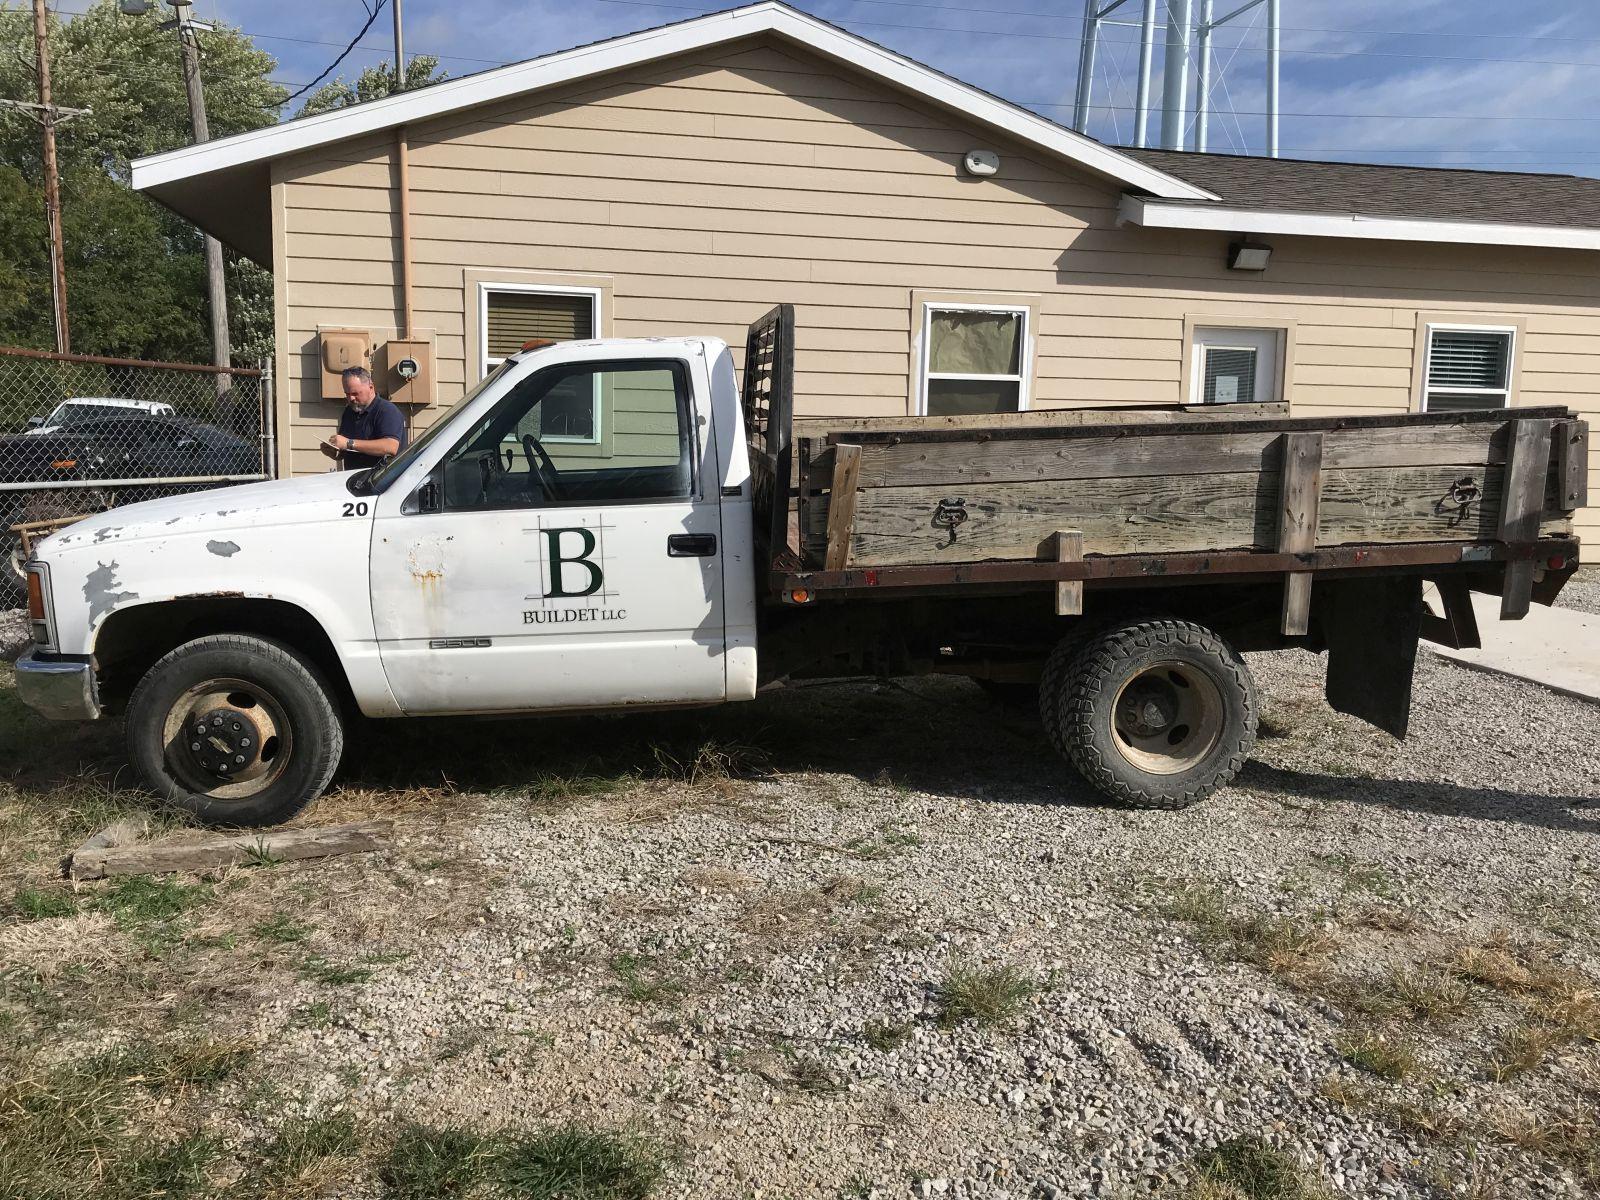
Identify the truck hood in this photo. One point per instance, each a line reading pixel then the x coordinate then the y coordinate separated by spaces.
pixel 275 503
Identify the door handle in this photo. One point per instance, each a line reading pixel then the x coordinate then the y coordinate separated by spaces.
pixel 691 545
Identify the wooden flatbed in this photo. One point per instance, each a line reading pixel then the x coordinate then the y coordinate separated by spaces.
pixel 1104 497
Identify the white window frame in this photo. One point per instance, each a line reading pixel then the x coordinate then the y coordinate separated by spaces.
pixel 1504 393
pixel 1216 337
pixel 1023 379
pixel 542 289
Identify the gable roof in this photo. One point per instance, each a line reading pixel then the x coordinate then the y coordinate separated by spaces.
pixel 1367 200
pixel 209 181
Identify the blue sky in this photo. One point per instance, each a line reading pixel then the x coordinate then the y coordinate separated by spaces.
pixel 1451 82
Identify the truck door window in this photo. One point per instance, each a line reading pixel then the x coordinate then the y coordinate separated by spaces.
pixel 509 460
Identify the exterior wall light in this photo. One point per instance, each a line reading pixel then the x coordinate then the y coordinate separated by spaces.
pixel 1245 256
pixel 981 162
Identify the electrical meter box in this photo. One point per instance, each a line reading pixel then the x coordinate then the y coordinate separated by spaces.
pixel 340 350
pixel 407 374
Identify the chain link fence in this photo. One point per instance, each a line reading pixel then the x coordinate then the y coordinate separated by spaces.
pixel 80 434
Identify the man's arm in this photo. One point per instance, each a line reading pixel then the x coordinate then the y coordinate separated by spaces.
pixel 377 447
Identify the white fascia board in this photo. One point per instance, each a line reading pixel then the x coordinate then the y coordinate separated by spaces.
pixel 1140 210
pixel 618 53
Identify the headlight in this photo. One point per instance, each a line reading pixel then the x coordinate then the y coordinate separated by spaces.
pixel 39 605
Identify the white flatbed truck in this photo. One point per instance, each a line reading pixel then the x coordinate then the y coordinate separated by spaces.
pixel 616 525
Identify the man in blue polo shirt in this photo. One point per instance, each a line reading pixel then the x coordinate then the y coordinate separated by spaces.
pixel 370 429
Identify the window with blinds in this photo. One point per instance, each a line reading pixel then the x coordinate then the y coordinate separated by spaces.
pixel 1230 375
pixel 1236 365
pixel 1468 369
pixel 515 316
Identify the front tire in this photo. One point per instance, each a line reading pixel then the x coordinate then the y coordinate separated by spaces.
pixel 1155 714
pixel 235 730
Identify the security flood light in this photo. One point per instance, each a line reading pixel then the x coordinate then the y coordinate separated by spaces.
pixel 1245 256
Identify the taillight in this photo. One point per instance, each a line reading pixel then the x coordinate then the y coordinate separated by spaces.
pixel 35 597
pixel 63 464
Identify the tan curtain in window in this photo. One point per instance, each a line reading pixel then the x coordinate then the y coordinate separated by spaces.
pixel 518 317
pixel 974 343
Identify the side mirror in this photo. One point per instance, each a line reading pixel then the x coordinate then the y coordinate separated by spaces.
pixel 35 422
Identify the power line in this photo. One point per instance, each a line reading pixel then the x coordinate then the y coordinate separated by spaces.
pixel 372 15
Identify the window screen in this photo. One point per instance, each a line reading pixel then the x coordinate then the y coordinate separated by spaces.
pixel 974 362
pixel 513 318
pixel 1468 370
pixel 1230 375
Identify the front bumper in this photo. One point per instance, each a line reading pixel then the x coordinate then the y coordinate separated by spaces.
pixel 61 689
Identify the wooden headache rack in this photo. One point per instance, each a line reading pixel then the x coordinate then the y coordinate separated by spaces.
pixel 1114 497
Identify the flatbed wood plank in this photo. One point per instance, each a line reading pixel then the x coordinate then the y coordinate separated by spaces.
pixel 1527 473
pixel 842 505
pixel 1120 414
pixel 144 858
pixel 1068 547
pixel 1299 496
pixel 1150 515
pixel 1572 463
pixel 966 464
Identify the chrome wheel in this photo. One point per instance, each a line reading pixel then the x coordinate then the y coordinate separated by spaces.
pixel 227 739
pixel 1167 718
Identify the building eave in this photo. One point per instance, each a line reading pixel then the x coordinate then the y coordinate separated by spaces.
pixel 160 171
pixel 1154 214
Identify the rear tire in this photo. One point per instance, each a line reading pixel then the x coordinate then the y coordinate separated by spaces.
pixel 234 730
pixel 1155 714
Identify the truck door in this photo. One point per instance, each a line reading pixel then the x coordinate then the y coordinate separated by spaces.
pixel 563 551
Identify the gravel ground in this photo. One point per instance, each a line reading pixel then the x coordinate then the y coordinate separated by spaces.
pixel 753 971
pixel 1582 591
pixel 15 633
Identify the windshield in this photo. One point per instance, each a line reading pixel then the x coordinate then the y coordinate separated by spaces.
pixel 386 473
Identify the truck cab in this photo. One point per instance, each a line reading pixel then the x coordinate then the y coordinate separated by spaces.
pixel 574 534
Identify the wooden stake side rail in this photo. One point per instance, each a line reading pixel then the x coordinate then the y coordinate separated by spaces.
pixel 1260 484
pixel 1238 565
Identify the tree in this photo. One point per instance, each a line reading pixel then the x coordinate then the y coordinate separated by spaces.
pixel 135 271
pixel 373 83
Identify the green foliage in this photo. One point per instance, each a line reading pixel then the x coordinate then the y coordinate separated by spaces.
pixel 373 83
pixel 988 996
pixel 135 271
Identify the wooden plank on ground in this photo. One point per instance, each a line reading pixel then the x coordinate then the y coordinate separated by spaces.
pixel 155 858
pixel 1572 463
pixel 1526 478
pixel 968 463
pixel 1067 546
pixel 842 505
pixel 1299 495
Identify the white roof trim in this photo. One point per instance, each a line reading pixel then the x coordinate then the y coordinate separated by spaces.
pixel 505 82
pixel 1154 215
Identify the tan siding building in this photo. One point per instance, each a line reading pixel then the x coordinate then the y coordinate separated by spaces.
pixel 688 194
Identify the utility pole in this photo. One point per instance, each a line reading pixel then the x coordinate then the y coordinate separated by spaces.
pixel 399 51
pixel 216 283
pixel 52 180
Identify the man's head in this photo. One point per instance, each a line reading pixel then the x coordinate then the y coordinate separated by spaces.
pixel 358 387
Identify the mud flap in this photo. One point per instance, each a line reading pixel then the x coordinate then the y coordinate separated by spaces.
pixel 1370 627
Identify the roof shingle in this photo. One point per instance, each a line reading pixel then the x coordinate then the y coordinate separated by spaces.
pixel 1417 193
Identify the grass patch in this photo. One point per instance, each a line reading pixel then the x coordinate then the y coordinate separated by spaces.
pixel 435 1164
pixel 281 927
pixel 1247 1168
pixel 80 1128
pixel 1420 993
pixel 306 1155
pixel 986 996
pixel 642 979
pixel 1387 1057
pixel 36 904
pixel 884 1036
pixel 575 1162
